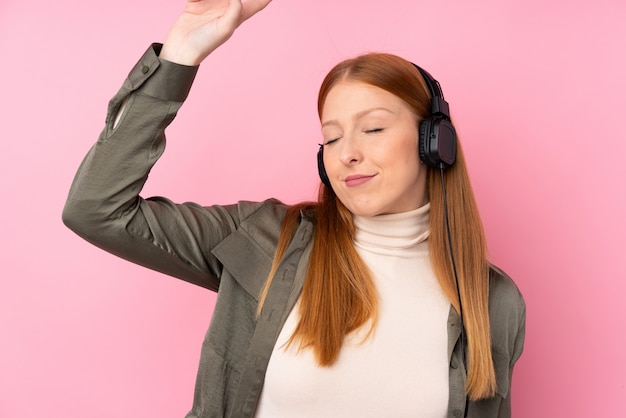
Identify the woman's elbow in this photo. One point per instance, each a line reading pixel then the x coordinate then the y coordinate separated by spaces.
pixel 80 218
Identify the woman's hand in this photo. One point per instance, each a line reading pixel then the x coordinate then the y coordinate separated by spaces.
pixel 204 25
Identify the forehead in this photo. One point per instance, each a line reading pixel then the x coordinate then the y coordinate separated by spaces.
pixel 347 99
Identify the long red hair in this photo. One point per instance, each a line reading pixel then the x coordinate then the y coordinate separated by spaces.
pixel 339 295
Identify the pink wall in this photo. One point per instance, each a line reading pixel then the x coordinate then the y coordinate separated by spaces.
pixel 537 91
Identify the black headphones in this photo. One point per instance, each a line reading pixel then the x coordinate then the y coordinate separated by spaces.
pixel 437 136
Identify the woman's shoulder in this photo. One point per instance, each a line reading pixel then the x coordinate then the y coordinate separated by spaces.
pixel 270 209
pixel 507 308
pixel 502 288
pixel 262 221
pixel 271 212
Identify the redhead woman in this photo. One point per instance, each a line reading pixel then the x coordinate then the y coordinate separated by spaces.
pixel 376 301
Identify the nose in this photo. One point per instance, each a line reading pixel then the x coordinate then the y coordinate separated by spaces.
pixel 350 153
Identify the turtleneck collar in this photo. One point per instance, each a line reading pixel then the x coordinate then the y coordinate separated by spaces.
pixel 395 234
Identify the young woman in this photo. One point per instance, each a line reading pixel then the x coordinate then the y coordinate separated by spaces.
pixel 345 307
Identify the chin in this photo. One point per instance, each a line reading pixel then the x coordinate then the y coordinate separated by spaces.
pixel 364 211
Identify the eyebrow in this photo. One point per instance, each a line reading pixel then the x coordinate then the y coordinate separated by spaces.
pixel 358 115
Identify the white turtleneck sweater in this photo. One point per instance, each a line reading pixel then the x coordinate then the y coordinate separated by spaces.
pixel 401 370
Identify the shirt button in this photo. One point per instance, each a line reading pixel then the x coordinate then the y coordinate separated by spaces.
pixel 457 413
pixel 145 69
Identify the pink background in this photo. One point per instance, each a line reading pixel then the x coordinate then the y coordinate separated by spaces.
pixel 537 90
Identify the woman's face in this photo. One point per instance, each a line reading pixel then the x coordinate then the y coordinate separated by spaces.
pixel 370 150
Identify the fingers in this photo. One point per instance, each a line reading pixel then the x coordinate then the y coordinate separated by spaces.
pixel 251 7
pixel 239 11
pixel 232 14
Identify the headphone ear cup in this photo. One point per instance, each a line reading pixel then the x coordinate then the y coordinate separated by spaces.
pixel 424 143
pixel 320 166
pixel 444 147
pixel 437 142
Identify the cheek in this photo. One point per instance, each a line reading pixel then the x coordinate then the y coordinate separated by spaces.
pixel 329 161
pixel 404 160
pixel 403 152
pixel 332 165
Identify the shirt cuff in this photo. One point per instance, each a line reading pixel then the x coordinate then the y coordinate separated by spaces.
pixel 160 78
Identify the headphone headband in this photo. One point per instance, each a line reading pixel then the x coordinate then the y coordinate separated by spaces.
pixel 438 105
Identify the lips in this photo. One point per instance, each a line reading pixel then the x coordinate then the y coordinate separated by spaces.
pixel 358 179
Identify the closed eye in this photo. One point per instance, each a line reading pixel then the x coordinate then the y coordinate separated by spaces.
pixel 330 141
pixel 374 130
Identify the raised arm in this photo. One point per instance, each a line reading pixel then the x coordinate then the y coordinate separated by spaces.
pixel 104 206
